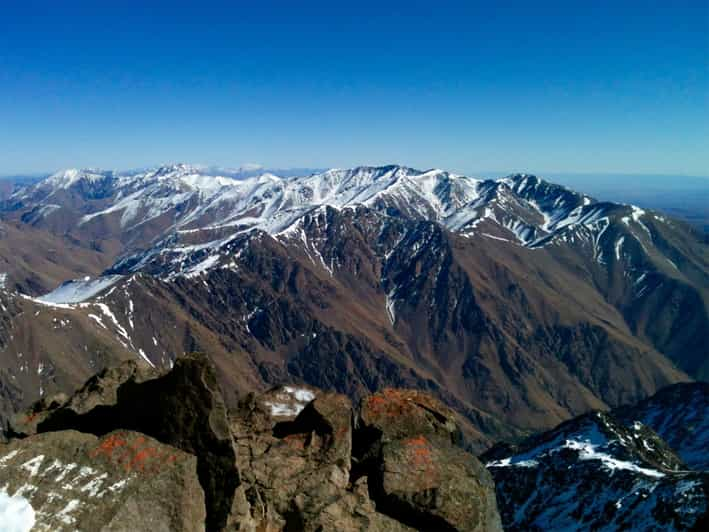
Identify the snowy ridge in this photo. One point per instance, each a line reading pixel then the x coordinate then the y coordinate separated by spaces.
pixel 591 441
pixel 520 210
pixel 592 473
pixel 79 290
pixel 272 203
pixel 96 299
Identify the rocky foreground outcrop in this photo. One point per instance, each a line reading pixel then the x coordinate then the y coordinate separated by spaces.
pixel 69 480
pixel 137 450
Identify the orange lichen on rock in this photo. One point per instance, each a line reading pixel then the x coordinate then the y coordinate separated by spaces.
pixel 296 441
pixel 388 402
pixel 419 450
pixel 108 446
pixel 136 455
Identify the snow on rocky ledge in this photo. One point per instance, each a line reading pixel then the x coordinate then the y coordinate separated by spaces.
pixel 16 513
pixel 288 401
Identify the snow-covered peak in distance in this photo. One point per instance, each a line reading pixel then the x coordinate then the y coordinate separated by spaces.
pixel 519 209
pixel 71 176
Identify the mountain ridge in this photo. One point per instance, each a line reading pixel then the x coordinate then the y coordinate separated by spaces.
pixel 518 302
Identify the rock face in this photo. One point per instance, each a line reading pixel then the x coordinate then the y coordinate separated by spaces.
pixel 135 449
pixel 406 444
pixel 594 473
pixel 314 472
pixel 183 408
pixel 122 481
pixel 296 471
pixel 293 458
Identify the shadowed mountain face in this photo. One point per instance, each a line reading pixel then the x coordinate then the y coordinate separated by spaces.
pixel 597 473
pixel 518 302
pixel 680 415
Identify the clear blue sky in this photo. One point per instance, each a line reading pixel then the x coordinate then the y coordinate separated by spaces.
pixel 529 86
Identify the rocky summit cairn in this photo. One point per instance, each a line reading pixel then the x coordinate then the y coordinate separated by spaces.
pixel 137 450
pixel 296 470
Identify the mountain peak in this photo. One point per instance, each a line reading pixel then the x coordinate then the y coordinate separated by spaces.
pixel 178 169
pixel 70 176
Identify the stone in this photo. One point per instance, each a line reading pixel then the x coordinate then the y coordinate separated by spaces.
pixel 437 487
pixel 291 458
pixel 406 445
pixel 397 413
pixel 296 468
pixel 183 408
pixel 122 481
pixel 99 390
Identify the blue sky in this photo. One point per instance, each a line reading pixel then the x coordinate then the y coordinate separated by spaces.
pixel 475 86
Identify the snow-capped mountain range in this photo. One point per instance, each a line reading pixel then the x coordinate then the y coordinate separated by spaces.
pixel 526 207
pixel 519 303
pixel 178 200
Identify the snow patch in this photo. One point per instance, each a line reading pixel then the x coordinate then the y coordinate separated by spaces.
pixel 588 450
pixel 145 357
pixel 619 247
pixel 78 290
pixel 16 513
pixel 289 401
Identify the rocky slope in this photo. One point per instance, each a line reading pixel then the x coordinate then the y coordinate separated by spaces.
pixel 602 472
pixel 136 449
pixel 517 302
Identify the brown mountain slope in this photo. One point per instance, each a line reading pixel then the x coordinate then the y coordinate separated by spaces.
pixel 510 340
pixel 36 261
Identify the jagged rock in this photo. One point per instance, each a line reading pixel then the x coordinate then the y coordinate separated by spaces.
pixel 593 473
pixel 283 463
pixel 99 390
pixel 122 481
pixel 355 511
pixel 405 442
pixel 183 408
pixel 283 460
pixel 296 472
